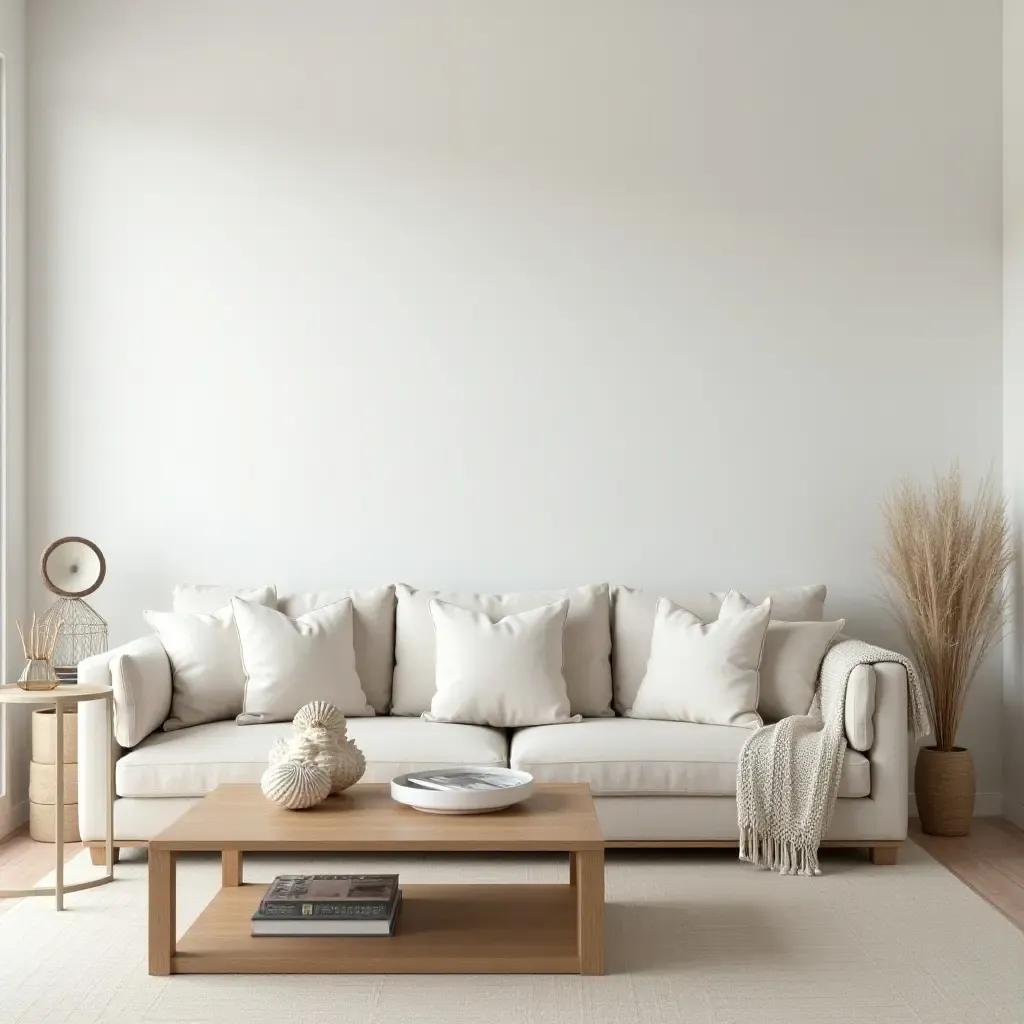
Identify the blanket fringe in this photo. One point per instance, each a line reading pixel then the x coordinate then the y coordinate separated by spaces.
pixel 771 853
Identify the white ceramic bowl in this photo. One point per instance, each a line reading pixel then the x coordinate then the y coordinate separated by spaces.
pixel 462 801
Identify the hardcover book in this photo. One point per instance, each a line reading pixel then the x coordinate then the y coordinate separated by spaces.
pixel 337 926
pixel 337 896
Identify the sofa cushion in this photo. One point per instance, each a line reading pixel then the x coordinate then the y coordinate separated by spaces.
pixel 586 643
pixel 633 625
pixel 373 634
pixel 193 762
pixel 631 757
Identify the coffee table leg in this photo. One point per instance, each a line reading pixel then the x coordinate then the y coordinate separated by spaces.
pixel 572 868
pixel 230 868
pixel 162 898
pixel 589 873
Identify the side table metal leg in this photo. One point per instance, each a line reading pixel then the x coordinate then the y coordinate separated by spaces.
pixel 58 805
pixel 110 787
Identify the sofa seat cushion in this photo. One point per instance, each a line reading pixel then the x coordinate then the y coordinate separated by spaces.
pixel 631 757
pixel 193 762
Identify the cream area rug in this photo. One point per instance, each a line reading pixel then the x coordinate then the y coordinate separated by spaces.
pixel 690 936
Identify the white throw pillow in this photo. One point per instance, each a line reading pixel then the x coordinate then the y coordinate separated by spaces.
pixel 505 674
pixel 373 629
pixel 290 662
pixel 206 598
pixel 206 666
pixel 797 604
pixel 703 672
pixel 586 643
pixel 790 662
pixel 633 624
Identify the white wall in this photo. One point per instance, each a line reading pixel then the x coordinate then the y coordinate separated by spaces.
pixel 512 294
pixel 1013 387
pixel 14 723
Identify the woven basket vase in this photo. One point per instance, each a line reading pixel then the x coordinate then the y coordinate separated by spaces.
pixel 944 787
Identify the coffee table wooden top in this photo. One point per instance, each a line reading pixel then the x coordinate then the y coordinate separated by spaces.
pixel 365 818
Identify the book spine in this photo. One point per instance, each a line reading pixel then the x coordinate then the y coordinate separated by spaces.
pixel 325 908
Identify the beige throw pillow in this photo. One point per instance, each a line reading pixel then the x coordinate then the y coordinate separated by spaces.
pixel 586 643
pixel 797 604
pixel 290 662
pixel 703 672
pixel 373 631
pixel 505 674
pixel 633 624
pixel 207 598
pixel 206 668
pixel 790 662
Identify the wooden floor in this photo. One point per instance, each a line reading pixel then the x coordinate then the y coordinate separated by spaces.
pixel 23 862
pixel 990 860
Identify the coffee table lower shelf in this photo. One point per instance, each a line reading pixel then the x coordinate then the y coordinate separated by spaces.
pixel 441 929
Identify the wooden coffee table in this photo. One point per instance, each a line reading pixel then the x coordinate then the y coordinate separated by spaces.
pixel 442 929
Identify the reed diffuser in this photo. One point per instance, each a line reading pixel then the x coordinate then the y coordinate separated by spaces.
pixel 38 673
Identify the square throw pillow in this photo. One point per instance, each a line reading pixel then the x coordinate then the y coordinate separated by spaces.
pixel 790 662
pixel 373 629
pixel 505 674
pixel 797 604
pixel 633 625
pixel 290 662
pixel 586 642
pixel 703 672
pixel 207 598
pixel 207 680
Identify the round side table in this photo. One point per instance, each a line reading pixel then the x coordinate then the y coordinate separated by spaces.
pixel 60 698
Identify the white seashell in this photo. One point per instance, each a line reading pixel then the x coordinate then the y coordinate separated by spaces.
pixel 296 785
pixel 302 748
pixel 344 762
pixel 279 751
pixel 318 714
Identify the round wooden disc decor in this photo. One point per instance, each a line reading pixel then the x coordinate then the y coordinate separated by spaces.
pixel 73 567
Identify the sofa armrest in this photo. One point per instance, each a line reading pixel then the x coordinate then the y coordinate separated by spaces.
pixel 860 708
pixel 889 751
pixel 140 676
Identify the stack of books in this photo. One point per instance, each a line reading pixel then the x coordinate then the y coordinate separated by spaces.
pixel 303 905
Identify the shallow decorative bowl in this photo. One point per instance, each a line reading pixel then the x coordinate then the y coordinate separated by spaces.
pixel 507 787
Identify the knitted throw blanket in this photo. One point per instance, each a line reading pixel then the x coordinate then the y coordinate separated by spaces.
pixel 787 778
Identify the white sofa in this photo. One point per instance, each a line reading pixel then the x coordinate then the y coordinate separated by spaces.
pixel 654 782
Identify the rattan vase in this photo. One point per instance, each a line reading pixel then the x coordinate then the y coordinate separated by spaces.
pixel 944 787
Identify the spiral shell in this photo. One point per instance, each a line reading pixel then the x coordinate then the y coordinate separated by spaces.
pixel 344 762
pixel 296 785
pixel 318 714
pixel 279 751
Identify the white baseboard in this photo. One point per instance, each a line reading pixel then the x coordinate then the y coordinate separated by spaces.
pixel 13 818
pixel 986 805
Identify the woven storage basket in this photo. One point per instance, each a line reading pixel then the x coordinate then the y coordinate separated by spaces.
pixel 43 777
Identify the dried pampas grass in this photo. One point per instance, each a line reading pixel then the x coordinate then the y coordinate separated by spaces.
pixel 947 559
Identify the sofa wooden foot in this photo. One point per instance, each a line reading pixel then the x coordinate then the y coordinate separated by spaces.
pixel 99 854
pixel 885 855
